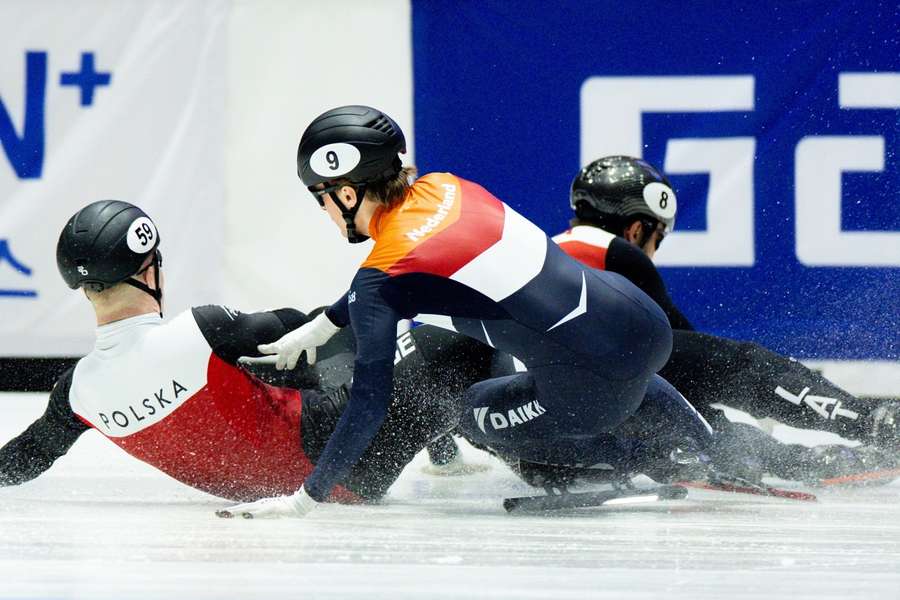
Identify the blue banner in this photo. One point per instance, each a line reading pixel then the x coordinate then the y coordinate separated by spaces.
pixel 778 123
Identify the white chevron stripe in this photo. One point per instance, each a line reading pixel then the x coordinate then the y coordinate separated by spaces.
pixel 486 336
pixel 579 310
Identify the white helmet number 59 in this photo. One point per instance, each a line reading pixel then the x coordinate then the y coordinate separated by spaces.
pixel 141 235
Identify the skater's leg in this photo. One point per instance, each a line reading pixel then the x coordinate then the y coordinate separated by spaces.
pixel 510 415
pixel 709 369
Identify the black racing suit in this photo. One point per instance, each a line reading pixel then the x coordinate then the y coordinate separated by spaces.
pixel 710 369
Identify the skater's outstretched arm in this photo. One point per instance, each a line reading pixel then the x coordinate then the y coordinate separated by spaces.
pixel 34 450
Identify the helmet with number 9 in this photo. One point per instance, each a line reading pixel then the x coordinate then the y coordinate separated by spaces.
pixel 357 143
pixel 615 189
pixel 105 243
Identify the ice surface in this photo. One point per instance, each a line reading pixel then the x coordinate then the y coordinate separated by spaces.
pixel 101 525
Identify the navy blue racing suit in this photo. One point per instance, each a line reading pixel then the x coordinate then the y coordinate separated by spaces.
pixel 591 340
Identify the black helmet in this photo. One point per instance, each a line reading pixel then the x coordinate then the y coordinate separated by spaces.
pixel 358 143
pixel 105 243
pixel 613 189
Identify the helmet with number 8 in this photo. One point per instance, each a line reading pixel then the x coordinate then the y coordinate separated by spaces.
pixel 105 243
pixel 357 143
pixel 615 190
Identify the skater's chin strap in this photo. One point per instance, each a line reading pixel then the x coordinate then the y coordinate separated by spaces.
pixel 349 214
pixel 155 292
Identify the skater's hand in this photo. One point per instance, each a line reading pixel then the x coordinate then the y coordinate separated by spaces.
pixel 303 339
pixel 298 504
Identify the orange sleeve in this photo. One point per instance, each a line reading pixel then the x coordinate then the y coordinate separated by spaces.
pixel 431 206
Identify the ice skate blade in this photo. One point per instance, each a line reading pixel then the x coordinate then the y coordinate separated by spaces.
pixel 566 501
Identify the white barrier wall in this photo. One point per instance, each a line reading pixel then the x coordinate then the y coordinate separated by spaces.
pixel 193 111
pixel 289 62
pixel 107 100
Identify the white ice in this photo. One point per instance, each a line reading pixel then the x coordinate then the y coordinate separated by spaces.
pixel 101 525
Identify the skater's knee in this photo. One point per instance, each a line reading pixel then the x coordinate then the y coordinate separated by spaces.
pixel 669 406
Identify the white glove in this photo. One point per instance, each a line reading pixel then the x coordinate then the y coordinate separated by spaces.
pixel 297 504
pixel 305 338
